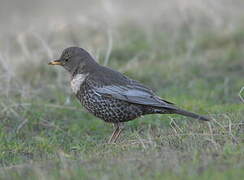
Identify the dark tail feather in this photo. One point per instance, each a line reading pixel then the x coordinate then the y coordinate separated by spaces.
pixel 190 114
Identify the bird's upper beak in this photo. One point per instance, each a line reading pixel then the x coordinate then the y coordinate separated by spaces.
pixel 55 62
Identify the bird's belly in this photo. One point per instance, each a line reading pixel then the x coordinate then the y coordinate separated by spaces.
pixel 109 109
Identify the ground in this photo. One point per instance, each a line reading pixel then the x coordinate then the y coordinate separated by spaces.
pixel 195 63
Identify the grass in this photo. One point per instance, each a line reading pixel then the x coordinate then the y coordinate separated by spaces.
pixel 45 134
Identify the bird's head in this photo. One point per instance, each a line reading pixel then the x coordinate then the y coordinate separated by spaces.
pixel 73 58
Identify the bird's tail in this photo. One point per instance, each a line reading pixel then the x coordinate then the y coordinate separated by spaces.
pixel 190 114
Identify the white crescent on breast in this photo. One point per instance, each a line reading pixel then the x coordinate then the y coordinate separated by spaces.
pixel 77 81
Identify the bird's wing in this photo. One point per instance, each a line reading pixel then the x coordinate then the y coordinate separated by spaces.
pixel 134 93
pixel 114 84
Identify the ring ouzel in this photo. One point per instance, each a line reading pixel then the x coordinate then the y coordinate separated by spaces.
pixel 110 95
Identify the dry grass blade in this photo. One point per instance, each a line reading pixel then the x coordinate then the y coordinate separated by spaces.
pixel 110 47
pixel 21 125
pixel 240 94
pixel 230 130
pixel 211 139
pixel 173 125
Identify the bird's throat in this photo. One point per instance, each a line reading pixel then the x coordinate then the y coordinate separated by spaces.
pixel 77 81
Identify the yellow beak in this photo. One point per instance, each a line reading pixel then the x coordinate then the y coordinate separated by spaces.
pixel 55 62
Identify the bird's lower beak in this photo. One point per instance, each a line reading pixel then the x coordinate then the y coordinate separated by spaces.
pixel 55 62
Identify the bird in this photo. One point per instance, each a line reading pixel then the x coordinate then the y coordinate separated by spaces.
pixel 111 95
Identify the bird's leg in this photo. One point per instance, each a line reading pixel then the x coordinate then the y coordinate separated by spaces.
pixel 116 129
pixel 117 134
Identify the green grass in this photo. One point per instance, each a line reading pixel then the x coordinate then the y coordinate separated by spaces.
pixel 45 134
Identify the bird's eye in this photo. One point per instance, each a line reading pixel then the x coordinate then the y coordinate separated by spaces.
pixel 66 59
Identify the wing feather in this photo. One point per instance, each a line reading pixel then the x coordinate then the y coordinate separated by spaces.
pixel 134 94
pixel 114 84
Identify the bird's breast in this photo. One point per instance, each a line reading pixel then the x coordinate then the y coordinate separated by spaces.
pixel 77 81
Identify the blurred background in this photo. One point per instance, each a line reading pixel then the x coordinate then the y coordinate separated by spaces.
pixel 126 35
pixel 190 51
